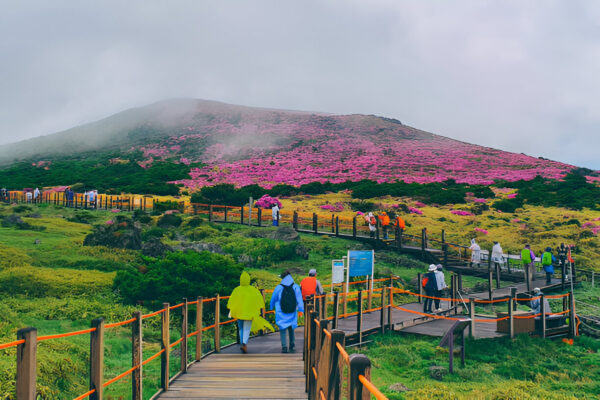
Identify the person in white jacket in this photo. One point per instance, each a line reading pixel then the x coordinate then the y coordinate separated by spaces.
pixel 497 254
pixel 275 214
pixel 441 285
pixel 475 253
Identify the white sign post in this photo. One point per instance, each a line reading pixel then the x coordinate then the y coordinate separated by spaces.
pixel 337 272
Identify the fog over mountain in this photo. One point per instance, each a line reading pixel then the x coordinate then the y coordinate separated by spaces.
pixel 518 76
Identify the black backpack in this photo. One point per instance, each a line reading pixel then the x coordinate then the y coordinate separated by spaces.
pixel 288 299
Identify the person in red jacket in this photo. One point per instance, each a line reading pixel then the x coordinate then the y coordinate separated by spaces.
pixel 310 285
pixel 384 219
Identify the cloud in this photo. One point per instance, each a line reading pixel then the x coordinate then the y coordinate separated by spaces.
pixel 520 76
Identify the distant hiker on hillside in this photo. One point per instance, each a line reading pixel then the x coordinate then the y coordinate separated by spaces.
pixel 430 285
pixel 70 197
pixel 441 285
pixel 92 199
pixel 372 222
pixel 528 261
pixel 310 285
pixel 275 214
pixel 28 196
pixel 384 220
pixel 245 304
pixel 561 252
pixel 535 303
pixel 547 263
pixel 36 195
pixel 287 302
pixel 3 194
pixel 475 253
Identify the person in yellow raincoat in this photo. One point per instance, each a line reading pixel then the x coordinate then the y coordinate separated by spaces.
pixel 245 304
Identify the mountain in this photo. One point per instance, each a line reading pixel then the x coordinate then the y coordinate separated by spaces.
pixel 223 143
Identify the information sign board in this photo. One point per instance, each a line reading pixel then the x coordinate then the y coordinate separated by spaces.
pixel 337 271
pixel 361 262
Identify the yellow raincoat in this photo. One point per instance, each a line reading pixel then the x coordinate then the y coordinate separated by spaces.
pixel 246 302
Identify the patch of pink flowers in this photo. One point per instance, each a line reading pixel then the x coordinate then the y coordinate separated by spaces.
pixel 413 210
pixel 115 210
pixel 267 202
pixel 419 204
pixel 481 230
pixel 480 200
pixel 512 195
pixel 515 220
pixel 109 222
pixel 461 212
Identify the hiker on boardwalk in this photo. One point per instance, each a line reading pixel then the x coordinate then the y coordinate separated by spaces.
pixel 287 302
pixel 70 197
pixel 245 304
pixel 36 195
pixel 528 261
pixel 441 285
pixel 562 252
pixel 497 254
pixel 310 285
pixel 399 223
pixel 547 263
pixel 384 220
pixel 536 303
pixel 430 285
pixel 475 253
pixel 372 222
pixel 275 214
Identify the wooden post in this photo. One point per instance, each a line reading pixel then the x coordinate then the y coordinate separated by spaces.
pixel 359 316
pixel 199 309
pixel 242 215
pixel 354 227
pixel 315 223
pixel 210 213
pixel 572 322
pixel 218 324
pixel 389 310
pixel 562 274
pixel 420 286
pixel 511 309
pixel 543 316
pixel 490 294
pixel 459 281
pixel 382 315
pixel 97 359
pixel 335 383
pixel 423 240
pixel 337 233
pixel 359 365
pixel 593 273
pixel 527 276
pixel 369 296
pixel 136 356
pixel 26 364
pixel 259 216
pixel 332 223
pixel 295 220
pixel 225 214
pixel 165 344
pixel 497 275
pixel 472 316
pixel 336 309
pixel 184 333
pixel 345 302
pixel 508 262
pixel 377 228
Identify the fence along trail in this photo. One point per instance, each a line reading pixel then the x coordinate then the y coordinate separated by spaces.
pixel 333 321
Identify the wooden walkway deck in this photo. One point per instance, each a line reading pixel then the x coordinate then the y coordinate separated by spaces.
pixel 263 373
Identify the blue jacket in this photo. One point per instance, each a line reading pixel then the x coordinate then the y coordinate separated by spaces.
pixel 282 319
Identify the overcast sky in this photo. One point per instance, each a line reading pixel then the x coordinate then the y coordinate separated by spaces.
pixel 520 75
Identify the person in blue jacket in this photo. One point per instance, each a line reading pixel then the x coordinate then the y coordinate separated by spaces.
pixel 287 301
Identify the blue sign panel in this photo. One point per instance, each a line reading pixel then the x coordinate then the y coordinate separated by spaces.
pixel 360 262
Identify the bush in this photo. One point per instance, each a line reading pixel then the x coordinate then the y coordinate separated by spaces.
pixel 178 275
pixel 162 206
pixel 142 216
pixel 508 205
pixel 169 221
pixel 153 232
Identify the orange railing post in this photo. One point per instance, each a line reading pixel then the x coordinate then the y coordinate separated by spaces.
pixel 165 344
pixel 359 365
pixel 136 357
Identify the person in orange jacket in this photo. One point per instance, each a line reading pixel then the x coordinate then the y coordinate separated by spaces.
pixel 384 219
pixel 310 285
pixel 399 222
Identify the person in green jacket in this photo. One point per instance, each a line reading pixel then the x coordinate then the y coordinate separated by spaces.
pixel 528 261
pixel 547 260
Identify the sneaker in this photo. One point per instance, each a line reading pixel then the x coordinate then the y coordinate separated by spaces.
pixel 439 310
pixel 244 349
pixel 284 350
pixel 292 349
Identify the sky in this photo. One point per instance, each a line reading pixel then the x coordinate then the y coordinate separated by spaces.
pixel 521 76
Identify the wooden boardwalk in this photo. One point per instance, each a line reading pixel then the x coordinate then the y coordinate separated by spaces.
pixel 263 373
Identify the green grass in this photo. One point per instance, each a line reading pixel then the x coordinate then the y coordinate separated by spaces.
pixel 523 368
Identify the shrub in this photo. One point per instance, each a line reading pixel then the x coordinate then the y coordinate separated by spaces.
pixel 153 232
pixel 178 275
pixel 508 205
pixel 162 206
pixel 169 221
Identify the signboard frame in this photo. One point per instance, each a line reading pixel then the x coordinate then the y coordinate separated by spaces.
pixel 369 276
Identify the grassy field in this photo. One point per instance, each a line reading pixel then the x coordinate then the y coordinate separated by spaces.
pixel 49 280
pixel 524 368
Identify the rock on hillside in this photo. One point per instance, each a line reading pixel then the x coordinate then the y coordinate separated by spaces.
pixel 244 145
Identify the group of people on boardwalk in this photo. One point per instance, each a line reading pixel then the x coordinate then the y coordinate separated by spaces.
pixel 383 219
pixel 246 304
pixel 527 256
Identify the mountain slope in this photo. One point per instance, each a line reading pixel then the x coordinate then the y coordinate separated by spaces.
pixel 244 145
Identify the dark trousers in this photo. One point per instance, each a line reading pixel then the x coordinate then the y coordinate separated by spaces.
pixel 428 302
pixel 438 293
pixel 549 278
